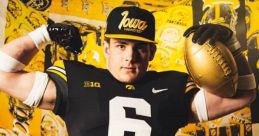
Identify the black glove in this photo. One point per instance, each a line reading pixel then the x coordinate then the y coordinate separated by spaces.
pixel 66 35
pixel 211 32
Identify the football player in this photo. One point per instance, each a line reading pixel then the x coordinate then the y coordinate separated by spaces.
pixel 124 99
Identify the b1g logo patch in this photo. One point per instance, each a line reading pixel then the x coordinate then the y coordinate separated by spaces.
pixel 92 84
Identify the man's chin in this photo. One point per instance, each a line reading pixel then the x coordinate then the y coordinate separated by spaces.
pixel 128 80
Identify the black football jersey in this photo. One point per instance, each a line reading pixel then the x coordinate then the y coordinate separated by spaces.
pixel 93 103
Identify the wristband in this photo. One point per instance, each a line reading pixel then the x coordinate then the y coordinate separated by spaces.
pixel 40 37
pixel 38 89
pixel 246 82
pixel 200 105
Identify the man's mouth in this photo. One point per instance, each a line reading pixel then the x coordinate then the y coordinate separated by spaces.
pixel 128 68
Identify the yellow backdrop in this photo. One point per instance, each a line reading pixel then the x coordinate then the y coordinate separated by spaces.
pixel 172 17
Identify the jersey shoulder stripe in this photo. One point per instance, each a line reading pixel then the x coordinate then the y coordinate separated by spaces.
pixel 59 69
pixel 190 85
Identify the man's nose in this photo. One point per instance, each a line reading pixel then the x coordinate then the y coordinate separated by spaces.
pixel 131 55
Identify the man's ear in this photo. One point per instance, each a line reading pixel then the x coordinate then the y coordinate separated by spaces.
pixel 106 48
pixel 152 51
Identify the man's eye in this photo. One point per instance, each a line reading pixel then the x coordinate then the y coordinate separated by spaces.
pixel 121 46
pixel 142 48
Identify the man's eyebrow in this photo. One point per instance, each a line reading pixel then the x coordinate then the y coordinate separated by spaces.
pixel 142 43
pixel 121 41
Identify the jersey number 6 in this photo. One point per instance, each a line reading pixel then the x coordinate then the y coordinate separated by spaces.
pixel 118 122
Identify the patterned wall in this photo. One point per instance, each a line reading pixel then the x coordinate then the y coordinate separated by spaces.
pixel 172 17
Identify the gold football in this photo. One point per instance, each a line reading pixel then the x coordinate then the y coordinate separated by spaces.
pixel 212 68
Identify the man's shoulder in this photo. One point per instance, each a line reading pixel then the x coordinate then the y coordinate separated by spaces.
pixel 67 65
pixel 81 69
pixel 70 64
pixel 167 77
pixel 76 63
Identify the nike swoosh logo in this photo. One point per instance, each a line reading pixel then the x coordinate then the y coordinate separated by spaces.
pixel 158 90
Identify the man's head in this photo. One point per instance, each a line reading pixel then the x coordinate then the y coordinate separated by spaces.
pixel 130 44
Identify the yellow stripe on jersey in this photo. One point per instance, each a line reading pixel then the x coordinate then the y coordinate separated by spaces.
pixel 59 69
pixel 190 85
pixel 189 88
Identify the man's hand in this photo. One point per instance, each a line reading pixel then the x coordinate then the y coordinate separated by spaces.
pixel 67 36
pixel 211 32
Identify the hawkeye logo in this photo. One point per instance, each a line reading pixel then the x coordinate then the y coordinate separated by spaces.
pixel 92 84
pixel 132 24
pixel 130 87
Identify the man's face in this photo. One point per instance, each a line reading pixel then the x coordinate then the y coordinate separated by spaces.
pixel 127 60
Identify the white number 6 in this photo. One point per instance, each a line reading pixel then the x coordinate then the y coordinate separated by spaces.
pixel 118 122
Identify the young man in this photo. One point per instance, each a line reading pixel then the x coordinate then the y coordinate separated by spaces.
pixel 125 99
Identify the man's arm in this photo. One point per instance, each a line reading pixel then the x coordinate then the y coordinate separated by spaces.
pixel 218 106
pixel 208 106
pixel 19 84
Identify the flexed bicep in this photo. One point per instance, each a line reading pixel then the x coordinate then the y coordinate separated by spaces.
pixel 33 89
